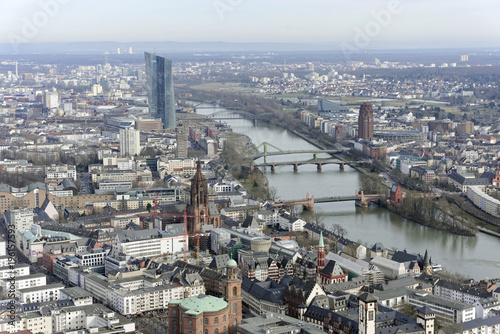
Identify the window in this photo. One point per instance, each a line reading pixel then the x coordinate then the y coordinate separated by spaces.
pixel 234 308
pixel 206 331
pixel 216 331
pixel 235 291
pixel 224 329
pixel 174 327
pixel 190 323
pixel 224 318
pixel 206 321
pixel 370 316
pixel 216 320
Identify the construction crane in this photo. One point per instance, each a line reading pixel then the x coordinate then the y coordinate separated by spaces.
pixel 186 235
pixel 185 216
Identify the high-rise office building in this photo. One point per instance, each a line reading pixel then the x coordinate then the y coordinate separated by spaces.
pixel 182 144
pixel 365 121
pixel 52 99
pixel 130 142
pixel 160 89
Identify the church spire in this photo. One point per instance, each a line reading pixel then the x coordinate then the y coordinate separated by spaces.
pixel 427 267
pixel 321 254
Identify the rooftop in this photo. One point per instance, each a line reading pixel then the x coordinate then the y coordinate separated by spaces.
pixel 203 303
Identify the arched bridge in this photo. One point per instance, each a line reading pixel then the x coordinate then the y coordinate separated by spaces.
pixel 360 199
pixel 319 163
pixel 235 113
pixel 280 151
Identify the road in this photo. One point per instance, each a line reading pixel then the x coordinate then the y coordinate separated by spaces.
pixel 85 183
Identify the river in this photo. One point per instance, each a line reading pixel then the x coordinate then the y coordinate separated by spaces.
pixel 474 257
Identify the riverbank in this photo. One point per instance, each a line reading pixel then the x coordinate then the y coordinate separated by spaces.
pixel 234 158
pixel 420 219
pixel 288 121
pixel 368 225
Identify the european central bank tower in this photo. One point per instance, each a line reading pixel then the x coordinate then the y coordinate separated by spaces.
pixel 160 89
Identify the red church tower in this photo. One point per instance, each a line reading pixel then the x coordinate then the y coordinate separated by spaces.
pixel 321 253
pixel 201 212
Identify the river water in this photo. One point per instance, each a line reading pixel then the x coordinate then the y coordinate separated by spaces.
pixel 476 257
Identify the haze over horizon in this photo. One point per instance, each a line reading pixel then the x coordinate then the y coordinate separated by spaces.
pixel 374 24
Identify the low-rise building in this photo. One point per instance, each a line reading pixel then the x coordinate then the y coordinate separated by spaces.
pixel 459 292
pixel 77 295
pixel 264 297
pixel 127 301
pixel 448 311
pixel 39 294
pixel 23 282
pixel 148 243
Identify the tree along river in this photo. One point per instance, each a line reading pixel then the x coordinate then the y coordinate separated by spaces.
pixel 476 257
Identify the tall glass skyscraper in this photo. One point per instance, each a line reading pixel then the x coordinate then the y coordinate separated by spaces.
pixel 160 89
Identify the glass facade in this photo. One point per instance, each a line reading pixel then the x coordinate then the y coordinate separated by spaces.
pixel 160 89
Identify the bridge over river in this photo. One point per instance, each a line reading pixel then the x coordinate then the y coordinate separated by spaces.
pixel 359 198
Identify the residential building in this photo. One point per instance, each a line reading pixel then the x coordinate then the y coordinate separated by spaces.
pixel 60 172
pixel 43 293
pixel 130 142
pixel 23 282
pixel 77 295
pixel 483 201
pixel 128 300
pixel 481 326
pixel 20 219
pixel 182 144
pixel 458 292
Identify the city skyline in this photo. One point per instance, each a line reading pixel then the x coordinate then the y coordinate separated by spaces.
pixel 363 25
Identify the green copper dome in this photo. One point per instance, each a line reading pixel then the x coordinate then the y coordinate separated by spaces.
pixel 231 263
pixel 203 303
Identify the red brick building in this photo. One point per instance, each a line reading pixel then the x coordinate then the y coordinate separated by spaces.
pixel 496 179
pixel 48 261
pixel 396 195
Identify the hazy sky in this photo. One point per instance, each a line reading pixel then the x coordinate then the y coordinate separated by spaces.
pixel 457 23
